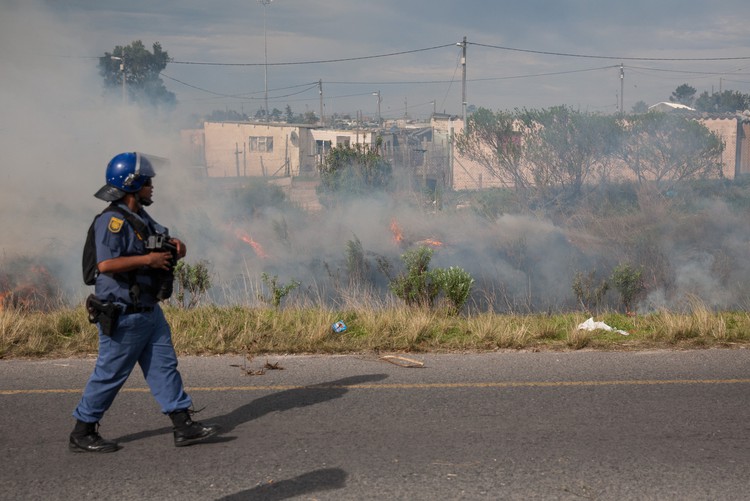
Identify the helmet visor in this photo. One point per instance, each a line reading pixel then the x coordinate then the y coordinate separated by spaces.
pixel 109 193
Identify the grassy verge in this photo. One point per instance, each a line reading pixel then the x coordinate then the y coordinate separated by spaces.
pixel 222 330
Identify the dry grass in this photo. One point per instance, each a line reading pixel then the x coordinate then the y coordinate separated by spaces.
pixel 60 333
pixel 255 330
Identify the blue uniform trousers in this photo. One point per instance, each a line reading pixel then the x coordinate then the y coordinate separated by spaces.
pixel 143 338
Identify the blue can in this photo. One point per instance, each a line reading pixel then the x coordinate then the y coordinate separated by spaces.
pixel 339 327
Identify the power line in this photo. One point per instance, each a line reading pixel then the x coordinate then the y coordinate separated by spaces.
pixel 687 71
pixel 452 81
pixel 546 74
pixel 427 82
pixel 405 82
pixel 318 61
pixel 309 85
pixel 566 54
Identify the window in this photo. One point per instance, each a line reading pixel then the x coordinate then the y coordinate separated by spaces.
pixel 261 143
pixel 322 147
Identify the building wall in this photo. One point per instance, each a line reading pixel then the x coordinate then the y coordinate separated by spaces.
pixel 244 149
pixel 465 174
pixel 325 139
pixel 726 129
pixel 744 154
pixel 468 175
pixel 229 151
pixel 233 149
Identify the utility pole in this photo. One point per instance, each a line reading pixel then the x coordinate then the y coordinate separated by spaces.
pixel 320 93
pixel 265 3
pixel 463 80
pixel 622 88
pixel 122 73
pixel 379 100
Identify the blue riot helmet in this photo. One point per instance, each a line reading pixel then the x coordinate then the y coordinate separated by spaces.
pixel 126 173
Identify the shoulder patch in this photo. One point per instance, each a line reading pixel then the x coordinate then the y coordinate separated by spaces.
pixel 115 224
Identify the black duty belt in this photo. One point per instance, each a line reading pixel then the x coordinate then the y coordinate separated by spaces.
pixel 136 309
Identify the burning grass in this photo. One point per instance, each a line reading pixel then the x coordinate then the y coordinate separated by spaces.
pixel 28 285
pixel 247 330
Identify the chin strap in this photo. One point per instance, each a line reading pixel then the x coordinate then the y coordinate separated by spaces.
pixel 143 201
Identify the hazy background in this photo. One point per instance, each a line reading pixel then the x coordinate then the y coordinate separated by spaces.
pixel 58 132
pixel 566 51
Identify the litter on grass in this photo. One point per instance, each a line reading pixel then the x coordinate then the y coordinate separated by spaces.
pixel 590 325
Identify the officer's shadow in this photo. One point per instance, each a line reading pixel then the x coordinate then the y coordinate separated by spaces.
pixel 275 402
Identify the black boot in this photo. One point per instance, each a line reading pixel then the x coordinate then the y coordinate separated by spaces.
pixel 187 431
pixel 85 438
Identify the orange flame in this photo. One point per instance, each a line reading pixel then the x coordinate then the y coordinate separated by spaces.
pixel 242 235
pixel 431 242
pixel 398 236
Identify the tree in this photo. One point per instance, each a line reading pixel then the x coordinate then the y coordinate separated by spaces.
pixel 289 114
pixel 640 107
pixel 140 69
pixel 353 171
pixel 226 116
pixel 728 101
pixel 545 155
pixel 666 148
pixel 494 140
pixel 684 94
pixel 309 118
pixel 565 148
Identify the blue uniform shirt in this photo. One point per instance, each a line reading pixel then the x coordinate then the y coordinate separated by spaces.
pixel 115 237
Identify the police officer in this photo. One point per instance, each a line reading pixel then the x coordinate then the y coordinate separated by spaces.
pixel 127 284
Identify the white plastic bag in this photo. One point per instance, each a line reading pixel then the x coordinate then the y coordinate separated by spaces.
pixel 590 325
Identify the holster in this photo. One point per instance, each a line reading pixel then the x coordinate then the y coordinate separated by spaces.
pixel 103 313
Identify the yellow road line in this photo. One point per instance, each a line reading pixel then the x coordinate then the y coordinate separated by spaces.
pixel 402 386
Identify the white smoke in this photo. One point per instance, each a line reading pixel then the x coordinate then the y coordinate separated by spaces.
pixel 59 132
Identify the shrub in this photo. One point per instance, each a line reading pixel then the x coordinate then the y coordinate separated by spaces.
pixel 589 293
pixel 629 283
pixel 193 281
pixel 356 263
pixel 417 285
pixel 455 284
pixel 277 292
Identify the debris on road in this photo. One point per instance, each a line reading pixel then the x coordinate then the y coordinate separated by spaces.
pixel 403 361
pixel 258 372
pixel 273 367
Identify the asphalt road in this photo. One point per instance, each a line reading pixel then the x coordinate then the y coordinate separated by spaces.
pixel 580 425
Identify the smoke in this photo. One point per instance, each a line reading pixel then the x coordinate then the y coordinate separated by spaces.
pixel 59 132
pixel 56 137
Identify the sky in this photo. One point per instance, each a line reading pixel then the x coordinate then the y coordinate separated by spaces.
pixel 58 130
pixel 532 54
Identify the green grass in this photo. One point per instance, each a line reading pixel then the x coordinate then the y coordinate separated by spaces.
pixel 242 330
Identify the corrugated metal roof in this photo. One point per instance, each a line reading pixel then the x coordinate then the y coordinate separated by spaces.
pixel 667 106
